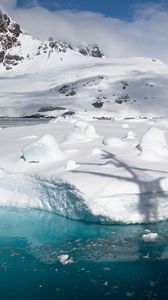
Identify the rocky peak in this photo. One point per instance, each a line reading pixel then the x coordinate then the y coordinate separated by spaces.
pixel 12 51
pixel 91 50
pixel 9 33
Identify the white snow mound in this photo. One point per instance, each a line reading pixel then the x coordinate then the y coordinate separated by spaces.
pixel 130 135
pixel 153 144
pixel 81 132
pixel 45 149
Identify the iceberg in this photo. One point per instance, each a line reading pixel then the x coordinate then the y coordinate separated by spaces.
pixel 87 181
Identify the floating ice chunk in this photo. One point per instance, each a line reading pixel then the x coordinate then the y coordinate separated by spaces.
pixel 130 135
pixel 45 149
pixel 64 259
pixel 71 165
pixel 153 144
pixel 150 237
pixel 147 231
pixel 113 142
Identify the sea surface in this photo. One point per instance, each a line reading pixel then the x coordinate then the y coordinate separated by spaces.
pixel 17 122
pixel 105 262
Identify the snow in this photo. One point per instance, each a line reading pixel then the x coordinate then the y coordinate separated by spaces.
pixel 71 165
pixel 35 83
pixel 45 149
pixel 150 237
pixel 113 142
pixel 153 144
pixel 130 135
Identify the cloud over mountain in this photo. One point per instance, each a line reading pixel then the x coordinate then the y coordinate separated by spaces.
pixel 145 35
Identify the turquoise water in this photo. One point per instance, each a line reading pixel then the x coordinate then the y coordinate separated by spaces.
pixel 109 262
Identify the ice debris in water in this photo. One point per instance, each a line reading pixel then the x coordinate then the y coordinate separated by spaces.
pixel 45 149
pixel 153 145
pixel 64 259
pixel 150 237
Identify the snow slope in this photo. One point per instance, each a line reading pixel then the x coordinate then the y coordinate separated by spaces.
pixel 91 181
pixel 119 88
pixel 53 78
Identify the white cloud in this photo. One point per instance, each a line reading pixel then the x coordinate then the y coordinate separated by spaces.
pixel 8 4
pixel 145 35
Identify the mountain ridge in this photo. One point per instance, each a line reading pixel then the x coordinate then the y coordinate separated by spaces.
pixel 12 36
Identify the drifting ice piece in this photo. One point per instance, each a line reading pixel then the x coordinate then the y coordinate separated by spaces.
pixel 150 237
pixel 64 259
pixel 45 149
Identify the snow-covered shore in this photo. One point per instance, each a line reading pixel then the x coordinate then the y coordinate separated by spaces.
pixel 104 171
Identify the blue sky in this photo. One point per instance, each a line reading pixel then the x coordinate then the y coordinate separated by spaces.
pixel 116 8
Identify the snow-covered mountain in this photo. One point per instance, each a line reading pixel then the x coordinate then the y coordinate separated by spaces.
pixel 17 46
pixel 54 78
